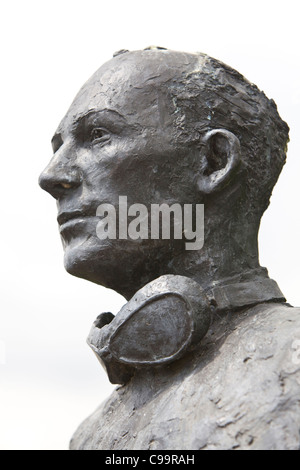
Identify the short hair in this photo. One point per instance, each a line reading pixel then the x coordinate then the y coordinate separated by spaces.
pixel 213 95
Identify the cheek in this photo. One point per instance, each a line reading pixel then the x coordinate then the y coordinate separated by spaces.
pixel 134 168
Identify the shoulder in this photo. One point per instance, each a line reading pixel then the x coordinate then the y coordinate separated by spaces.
pixel 251 388
pixel 268 332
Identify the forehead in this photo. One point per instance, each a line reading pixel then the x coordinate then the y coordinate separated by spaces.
pixel 134 85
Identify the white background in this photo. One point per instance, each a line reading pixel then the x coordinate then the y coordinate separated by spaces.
pixel 49 379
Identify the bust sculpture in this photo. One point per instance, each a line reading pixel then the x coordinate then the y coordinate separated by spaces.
pixel 204 351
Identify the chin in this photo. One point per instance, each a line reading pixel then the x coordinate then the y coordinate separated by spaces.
pixel 90 259
pixel 121 265
pixel 109 263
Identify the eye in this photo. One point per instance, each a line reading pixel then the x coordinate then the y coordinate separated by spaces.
pixel 99 135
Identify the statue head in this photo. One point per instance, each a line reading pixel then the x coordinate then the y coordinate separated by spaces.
pixel 165 127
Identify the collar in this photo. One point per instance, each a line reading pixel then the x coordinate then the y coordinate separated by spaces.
pixel 236 293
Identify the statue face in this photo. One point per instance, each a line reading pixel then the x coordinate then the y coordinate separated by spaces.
pixel 118 139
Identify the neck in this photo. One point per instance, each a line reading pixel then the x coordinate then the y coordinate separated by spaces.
pixel 212 264
pixel 229 257
pixel 229 251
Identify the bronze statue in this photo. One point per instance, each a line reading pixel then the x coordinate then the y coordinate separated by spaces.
pixel 205 349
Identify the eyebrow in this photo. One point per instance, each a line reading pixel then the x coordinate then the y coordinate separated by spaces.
pixel 107 116
pixel 111 116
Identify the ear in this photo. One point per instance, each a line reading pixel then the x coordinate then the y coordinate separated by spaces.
pixel 221 156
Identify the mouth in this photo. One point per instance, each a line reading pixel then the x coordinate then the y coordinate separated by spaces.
pixel 65 217
pixel 67 220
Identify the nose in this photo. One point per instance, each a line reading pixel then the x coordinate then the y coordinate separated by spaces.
pixel 60 176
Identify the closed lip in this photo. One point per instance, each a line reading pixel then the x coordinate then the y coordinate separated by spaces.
pixel 65 217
